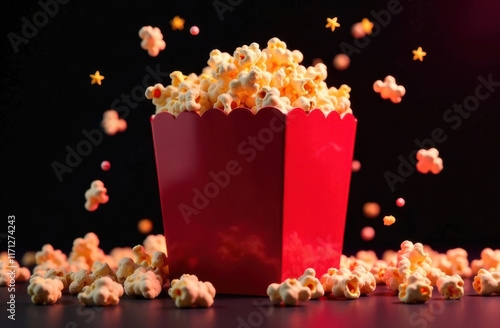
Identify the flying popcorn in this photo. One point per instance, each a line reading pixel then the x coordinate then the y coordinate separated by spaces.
pixel 389 220
pixel 389 89
pixel 189 292
pixel 102 292
pixel 290 292
pixel 152 40
pixel 112 123
pixel 429 161
pixel 355 166
pixel 95 195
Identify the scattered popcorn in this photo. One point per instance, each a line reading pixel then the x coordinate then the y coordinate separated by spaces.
pixel 194 30
pixel 415 290
pixel 105 166
pixel 96 78
pixel 79 280
pixel 358 31
pixel 419 54
pixel 145 226
pixel 400 202
pixel 355 166
pixel 389 89
pixel 371 210
pixel 177 23
pixel 367 233
pixel 152 40
pixel 290 292
pixel 434 274
pixel 95 195
pixel 189 292
pixel 490 260
pixel 332 23
pixel 253 78
pixel 112 123
pixel 429 160
pixel 341 62
pixel 451 287
pixel 389 220
pixel 155 243
pixel 486 282
pixel 102 292
pixel 308 279
pixel 45 291
pixel 29 259
pixel 143 282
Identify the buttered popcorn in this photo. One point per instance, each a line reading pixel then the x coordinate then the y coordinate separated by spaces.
pixel 252 78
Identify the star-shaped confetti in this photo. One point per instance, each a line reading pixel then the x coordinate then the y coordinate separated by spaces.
pixel 332 23
pixel 367 25
pixel 177 23
pixel 419 54
pixel 96 78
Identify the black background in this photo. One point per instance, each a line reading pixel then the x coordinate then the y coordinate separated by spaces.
pixel 47 100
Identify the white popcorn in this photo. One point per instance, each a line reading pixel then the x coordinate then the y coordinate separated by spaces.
pixel 144 283
pixel 189 292
pixel 434 274
pixel 95 195
pixel 451 287
pixel 112 123
pixel 415 290
pixel 152 40
pixel 290 292
pixel 103 291
pixel 79 280
pixel 367 282
pixel 126 268
pixel 155 243
pixel 45 291
pixel 486 282
pixel 389 89
pixel 309 280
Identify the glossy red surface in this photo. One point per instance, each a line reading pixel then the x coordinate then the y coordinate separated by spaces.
pixel 245 196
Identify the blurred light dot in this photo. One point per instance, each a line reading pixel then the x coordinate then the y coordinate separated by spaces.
pixel 371 210
pixel 105 165
pixel 194 30
pixel 400 202
pixel 358 31
pixel 29 259
pixel 341 62
pixel 367 233
pixel 145 226
pixel 356 166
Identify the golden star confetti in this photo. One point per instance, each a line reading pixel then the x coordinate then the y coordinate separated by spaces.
pixel 177 23
pixel 419 54
pixel 96 78
pixel 332 23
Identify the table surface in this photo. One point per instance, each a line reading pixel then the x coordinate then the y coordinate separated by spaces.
pixel 379 309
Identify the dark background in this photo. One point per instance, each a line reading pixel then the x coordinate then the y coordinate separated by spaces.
pixel 47 100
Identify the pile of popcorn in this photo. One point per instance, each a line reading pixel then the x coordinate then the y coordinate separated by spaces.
pixel 412 273
pixel 99 279
pixel 253 78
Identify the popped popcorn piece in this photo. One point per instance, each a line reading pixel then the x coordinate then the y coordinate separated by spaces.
pixel 290 292
pixel 367 233
pixel 49 254
pixel 486 282
pixel 126 268
pixel 143 282
pixel 332 23
pixel 24 274
pixel 45 291
pixel 369 257
pixel 390 257
pixel 152 40
pixel 100 270
pixel 434 274
pixel 389 89
pixel 142 258
pixel 371 210
pixel 415 290
pixel 86 251
pixel 345 285
pixel 490 260
pixel 400 202
pixel 429 161
pixel 79 280
pixel 352 262
pixel 105 165
pixel 451 287
pixel 341 62
pixel 459 262
pixel 112 123
pixel 102 292
pixel 194 30
pixel 155 243
pixel 389 220
pixel 189 292
pixel 159 264
pixel 58 274
pixel 367 282
pixel 309 280
pixel 95 195
pixel 119 253
pixel 145 226
pixel 378 271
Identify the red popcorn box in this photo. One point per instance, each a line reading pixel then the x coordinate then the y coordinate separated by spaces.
pixel 251 199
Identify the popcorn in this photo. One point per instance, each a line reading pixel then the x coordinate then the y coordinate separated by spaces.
pixel 434 274
pixel 368 257
pixel 389 89
pixel 389 220
pixel 7 273
pixel 378 271
pixel 112 123
pixel 252 78
pixel 290 292
pixel 358 31
pixel 429 160
pixel 345 284
pixel 459 263
pixel 155 243
pixel 152 40
pixel 49 254
pixel 143 282
pixel 103 291
pixel 86 251
pixel 79 280
pixel 415 290
pixel 126 268
pixel 119 253
pixel 490 260
pixel 95 195
pixel 57 274
pixel 189 292
pixel 486 282
pixel 367 282
pixel 159 264
pixel 100 270
pixel 308 279
pixel 45 291
pixel 142 258
pixel 390 257
pixel 28 259
pixel 451 287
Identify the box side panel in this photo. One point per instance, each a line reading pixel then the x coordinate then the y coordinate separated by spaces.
pixel 318 157
pixel 221 191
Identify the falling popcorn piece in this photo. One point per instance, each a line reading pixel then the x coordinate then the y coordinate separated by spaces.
pixel 105 165
pixel 96 78
pixel 145 226
pixel 290 292
pixel 389 89
pixel 332 23
pixel 371 210
pixel 419 54
pixel 152 40
pixel 95 195
pixel 400 202
pixel 429 161
pixel 341 62
pixel 177 23
pixel 389 220
pixel 194 30
pixel 112 123
pixel 367 233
